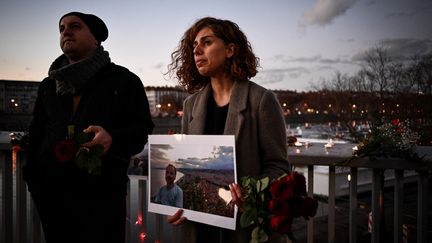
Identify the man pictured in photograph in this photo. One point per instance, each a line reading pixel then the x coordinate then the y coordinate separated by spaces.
pixel 170 194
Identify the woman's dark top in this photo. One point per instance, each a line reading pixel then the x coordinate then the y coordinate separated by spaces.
pixel 216 117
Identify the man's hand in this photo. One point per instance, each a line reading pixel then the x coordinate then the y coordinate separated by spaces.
pixel 177 218
pixel 101 137
pixel 236 195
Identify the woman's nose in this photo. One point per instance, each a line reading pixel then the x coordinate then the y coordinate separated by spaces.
pixel 197 49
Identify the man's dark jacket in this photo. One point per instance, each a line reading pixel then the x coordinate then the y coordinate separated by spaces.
pixel 114 99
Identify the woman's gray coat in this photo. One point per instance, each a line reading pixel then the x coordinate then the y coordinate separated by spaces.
pixel 256 119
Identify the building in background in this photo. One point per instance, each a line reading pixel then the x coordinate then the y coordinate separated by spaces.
pixel 166 101
pixel 17 99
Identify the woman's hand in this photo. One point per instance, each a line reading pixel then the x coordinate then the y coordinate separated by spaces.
pixel 237 196
pixel 101 137
pixel 177 218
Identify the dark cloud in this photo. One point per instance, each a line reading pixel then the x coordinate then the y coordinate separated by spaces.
pixel 318 59
pixel 371 2
pixel 414 11
pixel 286 70
pixel 326 67
pixel 270 76
pixel 223 151
pixel 399 49
pixel 305 59
pixel 325 11
pixel 158 155
pixel 191 162
pixel 223 158
pixel 407 47
pixel 395 15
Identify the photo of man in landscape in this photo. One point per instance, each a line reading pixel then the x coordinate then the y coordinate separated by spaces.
pixel 202 180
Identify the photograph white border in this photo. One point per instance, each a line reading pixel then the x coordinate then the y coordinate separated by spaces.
pixel 173 140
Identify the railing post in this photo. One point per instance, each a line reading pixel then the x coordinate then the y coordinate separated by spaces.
pixel 158 223
pixel 142 209
pixel 353 206
pixel 422 209
pixel 7 197
pixel 331 204
pixel 21 201
pixel 398 206
pixel 129 222
pixel 35 223
pixel 376 204
pixel 310 224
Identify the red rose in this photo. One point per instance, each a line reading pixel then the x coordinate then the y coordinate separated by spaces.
pixel 299 184
pixel 399 130
pixel 297 206
pixel 280 207
pixel 395 122
pixel 281 224
pixel 65 150
pixel 310 206
pixel 282 188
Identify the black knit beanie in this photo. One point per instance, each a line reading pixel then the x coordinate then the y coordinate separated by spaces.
pixel 94 23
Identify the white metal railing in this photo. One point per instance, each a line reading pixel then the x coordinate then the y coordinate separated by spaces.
pixel 314 157
pixel 23 225
pixel 20 222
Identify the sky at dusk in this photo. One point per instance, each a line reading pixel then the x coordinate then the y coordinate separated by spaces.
pixel 298 42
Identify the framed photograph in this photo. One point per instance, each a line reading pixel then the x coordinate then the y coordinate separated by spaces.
pixel 193 172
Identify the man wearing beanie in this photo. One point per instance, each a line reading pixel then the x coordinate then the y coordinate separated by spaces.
pixel 84 200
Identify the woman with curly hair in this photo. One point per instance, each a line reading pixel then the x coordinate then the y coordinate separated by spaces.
pixel 215 62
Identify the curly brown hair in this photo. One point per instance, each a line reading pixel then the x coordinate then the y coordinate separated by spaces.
pixel 241 66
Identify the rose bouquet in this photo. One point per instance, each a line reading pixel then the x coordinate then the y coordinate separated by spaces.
pixel 389 139
pixel 71 149
pixel 271 207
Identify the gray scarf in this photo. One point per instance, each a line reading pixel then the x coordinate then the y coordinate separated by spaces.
pixel 70 78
